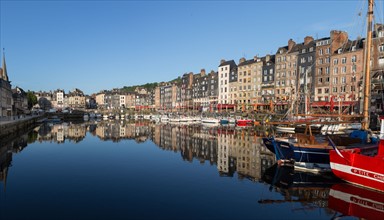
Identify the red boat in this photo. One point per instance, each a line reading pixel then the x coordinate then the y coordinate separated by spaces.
pixel 358 167
pixel 244 122
pixel 355 201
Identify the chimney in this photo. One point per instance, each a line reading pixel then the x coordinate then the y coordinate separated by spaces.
pixel 308 39
pixel 242 60
pixel 291 44
pixel 255 58
pixel 338 39
pixel 222 61
pixel 267 58
pixel 202 72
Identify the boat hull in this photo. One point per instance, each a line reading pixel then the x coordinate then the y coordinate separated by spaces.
pixel 352 166
pixel 305 158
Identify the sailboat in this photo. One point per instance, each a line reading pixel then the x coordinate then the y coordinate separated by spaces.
pixel 362 166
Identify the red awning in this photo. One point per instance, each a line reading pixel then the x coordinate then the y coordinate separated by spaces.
pixel 224 106
pixel 335 104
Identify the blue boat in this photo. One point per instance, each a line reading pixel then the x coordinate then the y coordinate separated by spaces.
pixel 310 153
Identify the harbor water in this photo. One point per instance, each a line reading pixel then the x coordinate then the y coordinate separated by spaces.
pixel 142 170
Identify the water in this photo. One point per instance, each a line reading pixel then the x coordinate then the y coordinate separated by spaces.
pixel 139 170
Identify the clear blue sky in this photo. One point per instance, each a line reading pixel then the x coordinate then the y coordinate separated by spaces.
pixel 96 45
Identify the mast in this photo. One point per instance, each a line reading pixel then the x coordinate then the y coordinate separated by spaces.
pixel 367 77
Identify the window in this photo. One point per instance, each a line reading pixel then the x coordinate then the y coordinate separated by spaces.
pixel 381 48
pixel 335 80
pixel 353 68
pixel 335 61
pixel 344 60
pixel 321 52
pixel 335 70
pixel 334 89
pixel 381 61
pixel 319 91
pixel 343 80
pixel 343 69
pixel 328 51
pixel 320 61
pixel 326 90
pixel 353 59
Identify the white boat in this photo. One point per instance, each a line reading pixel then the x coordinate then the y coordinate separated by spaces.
pixel 344 128
pixel 164 118
pixel 210 120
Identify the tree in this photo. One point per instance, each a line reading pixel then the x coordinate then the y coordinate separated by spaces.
pixel 32 99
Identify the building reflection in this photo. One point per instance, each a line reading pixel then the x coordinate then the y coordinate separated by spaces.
pixel 7 148
pixel 231 150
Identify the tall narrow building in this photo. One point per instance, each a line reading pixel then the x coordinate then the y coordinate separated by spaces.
pixel 5 91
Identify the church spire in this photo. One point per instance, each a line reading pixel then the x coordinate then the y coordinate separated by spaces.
pixel 4 74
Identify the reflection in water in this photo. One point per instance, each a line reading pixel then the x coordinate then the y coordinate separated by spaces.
pixel 355 201
pixel 311 190
pixel 6 151
pixel 234 151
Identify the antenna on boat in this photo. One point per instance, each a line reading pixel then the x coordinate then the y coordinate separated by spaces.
pixel 367 77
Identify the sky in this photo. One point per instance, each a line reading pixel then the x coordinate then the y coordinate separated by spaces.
pixel 101 44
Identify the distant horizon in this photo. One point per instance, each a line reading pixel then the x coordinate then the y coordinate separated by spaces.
pixel 101 45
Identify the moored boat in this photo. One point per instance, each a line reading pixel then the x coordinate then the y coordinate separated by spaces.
pixel 310 153
pixel 360 166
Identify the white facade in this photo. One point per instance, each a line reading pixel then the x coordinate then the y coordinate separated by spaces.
pixel 223 84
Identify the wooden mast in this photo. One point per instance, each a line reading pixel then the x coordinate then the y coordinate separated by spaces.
pixel 367 77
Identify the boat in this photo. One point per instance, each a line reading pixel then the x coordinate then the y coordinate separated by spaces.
pixel 308 152
pixel 350 200
pixel 244 122
pixel 343 128
pixel 362 166
pixel 224 121
pixel 210 120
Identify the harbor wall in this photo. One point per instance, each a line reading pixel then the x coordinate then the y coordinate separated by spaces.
pixel 11 129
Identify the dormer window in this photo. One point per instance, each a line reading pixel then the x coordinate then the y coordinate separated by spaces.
pixel 353 48
pixel 381 33
pixel 339 51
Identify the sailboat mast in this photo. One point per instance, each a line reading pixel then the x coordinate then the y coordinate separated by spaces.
pixel 367 77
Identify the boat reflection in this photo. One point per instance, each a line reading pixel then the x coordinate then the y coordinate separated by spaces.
pixel 307 188
pixel 350 200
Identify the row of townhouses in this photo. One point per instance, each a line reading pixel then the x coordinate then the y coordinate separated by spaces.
pixel 59 100
pixel 316 73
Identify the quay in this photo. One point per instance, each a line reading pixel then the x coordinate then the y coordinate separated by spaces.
pixel 10 128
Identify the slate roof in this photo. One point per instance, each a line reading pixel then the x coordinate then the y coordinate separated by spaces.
pixel 231 63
